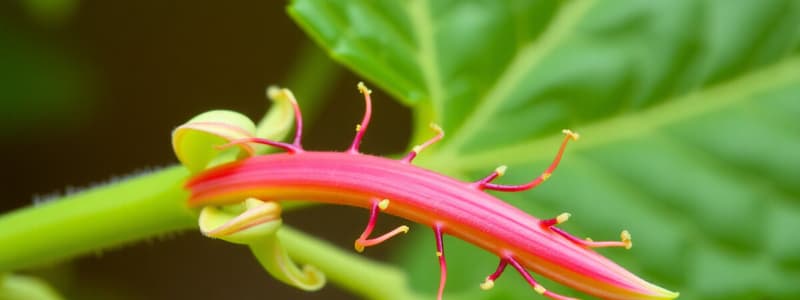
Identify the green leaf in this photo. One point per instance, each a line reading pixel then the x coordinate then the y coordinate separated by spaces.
pixel 688 112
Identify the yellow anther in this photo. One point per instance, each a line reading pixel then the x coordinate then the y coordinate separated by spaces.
pixel 403 229
pixel 417 149
pixel 546 176
pixel 358 127
pixel 362 88
pixel 626 239
pixel 359 247
pixel 573 135
pixel 436 128
pixel 539 289
pixel 501 170
pixel 563 218
pixel 487 285
pixel 384 204
pixel 438 254
pixel 588 239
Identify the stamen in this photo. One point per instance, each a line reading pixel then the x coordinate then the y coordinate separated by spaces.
pixel 499 171
pixel 626 239
pixel 555 221
pixel 291 148
pixel 437 229
pixel 625 242
pixel 360 244
pixel 536 286
pixel 362 127
pixel 362 88
pixel 489 283
pixel 538 180
pixel 363 241
pixel 418 148
pixel 540 289
pixel 574 135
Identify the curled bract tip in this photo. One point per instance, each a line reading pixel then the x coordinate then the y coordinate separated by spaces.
pixel 277 122
pixel 276 93
pixel 275 259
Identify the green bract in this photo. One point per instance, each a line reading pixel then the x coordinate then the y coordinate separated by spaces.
pixel 235 224
pixel 207 140
pixel 198 143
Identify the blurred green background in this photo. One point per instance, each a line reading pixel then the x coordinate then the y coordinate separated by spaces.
pixel 689 113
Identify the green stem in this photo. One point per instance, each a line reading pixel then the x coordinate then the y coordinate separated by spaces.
pixel 152 205
pixel 142 207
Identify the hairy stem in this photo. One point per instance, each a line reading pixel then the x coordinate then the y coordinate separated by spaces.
pixel 146 206
pixel 152 205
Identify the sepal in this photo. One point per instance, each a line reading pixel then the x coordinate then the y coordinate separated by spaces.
pixel 256 223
